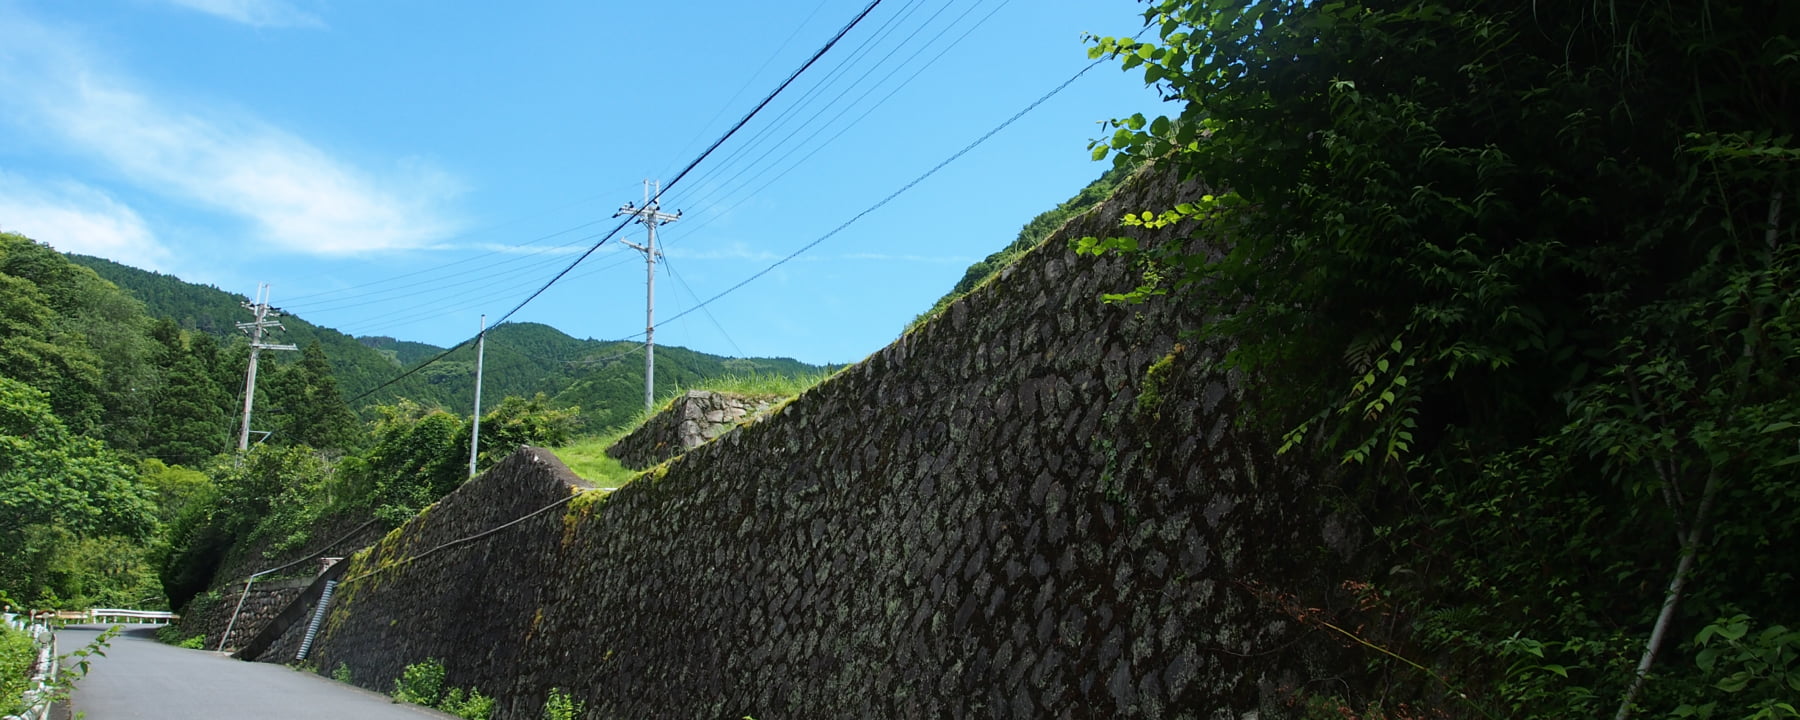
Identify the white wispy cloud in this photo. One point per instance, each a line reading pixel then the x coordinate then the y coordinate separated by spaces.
pixel 505 249
pixel 73 217
pixel 293 194
pixel 255 13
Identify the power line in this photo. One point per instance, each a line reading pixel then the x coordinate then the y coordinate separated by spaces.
pixel 703 155
pixel 405 297
pixel 799 108
pixel 915 181
pixel 746 197
pixel 810 118
pixel 615 356
pixel 465 303
pixel 757 73
pixel 432 297
pixel 696 297
pixel 678 177
pixel 795 108
pixel 472 258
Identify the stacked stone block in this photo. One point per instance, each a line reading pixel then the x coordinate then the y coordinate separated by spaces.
pixel 690 421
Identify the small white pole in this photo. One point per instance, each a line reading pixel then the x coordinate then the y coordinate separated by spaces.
pixel 475 427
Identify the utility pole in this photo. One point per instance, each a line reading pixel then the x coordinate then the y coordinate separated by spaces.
pixel 650 215
pixel 475 431
pixel 263 314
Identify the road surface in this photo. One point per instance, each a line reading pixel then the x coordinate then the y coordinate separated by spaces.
pixel 142 679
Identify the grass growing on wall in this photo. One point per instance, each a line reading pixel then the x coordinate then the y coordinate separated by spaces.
pixel 760 384
pixel 587 456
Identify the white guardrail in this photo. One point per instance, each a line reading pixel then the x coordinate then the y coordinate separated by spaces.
pixel 41 692
pixel 105 616
pixel 131 617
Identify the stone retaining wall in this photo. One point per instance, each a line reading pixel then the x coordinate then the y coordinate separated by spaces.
pixel 427 591
pixel 339 536
pixel 1035 505
pixel 266 599
pixel 280 638
pixel 690 421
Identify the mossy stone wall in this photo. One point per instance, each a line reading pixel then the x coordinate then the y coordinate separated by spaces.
pixel 440 587
pixel 1001 515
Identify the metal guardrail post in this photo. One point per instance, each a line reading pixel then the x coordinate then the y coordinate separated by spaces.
pixel 240 607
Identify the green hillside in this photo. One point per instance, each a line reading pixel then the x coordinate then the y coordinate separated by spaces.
pixel 215 312
pixel 604 378
pixel 402 352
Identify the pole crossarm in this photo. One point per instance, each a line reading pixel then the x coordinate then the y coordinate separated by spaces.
pixel 648 214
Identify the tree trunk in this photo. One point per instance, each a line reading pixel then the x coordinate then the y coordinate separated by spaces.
pixel 1690 547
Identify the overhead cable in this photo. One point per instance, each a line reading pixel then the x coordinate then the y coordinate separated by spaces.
pixel 897 193
pixel 627 219
pixel 742 198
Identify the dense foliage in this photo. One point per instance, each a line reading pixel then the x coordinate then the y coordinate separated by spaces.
pixel 268 503
pixel 18 657
pixel 72 514
pixel 70 334
pixel 1530 273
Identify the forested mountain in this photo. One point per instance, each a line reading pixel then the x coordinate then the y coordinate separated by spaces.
pixel 603 378
pixel 402 352
pixel 120 393
pixel 209 310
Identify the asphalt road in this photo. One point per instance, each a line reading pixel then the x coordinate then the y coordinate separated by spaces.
pixel 142 679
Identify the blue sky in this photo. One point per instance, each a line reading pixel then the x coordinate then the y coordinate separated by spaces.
pixel 400 167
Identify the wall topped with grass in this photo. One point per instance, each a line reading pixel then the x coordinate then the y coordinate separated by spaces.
pixel 691 420
pixel 1003 514
pixel 612 458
